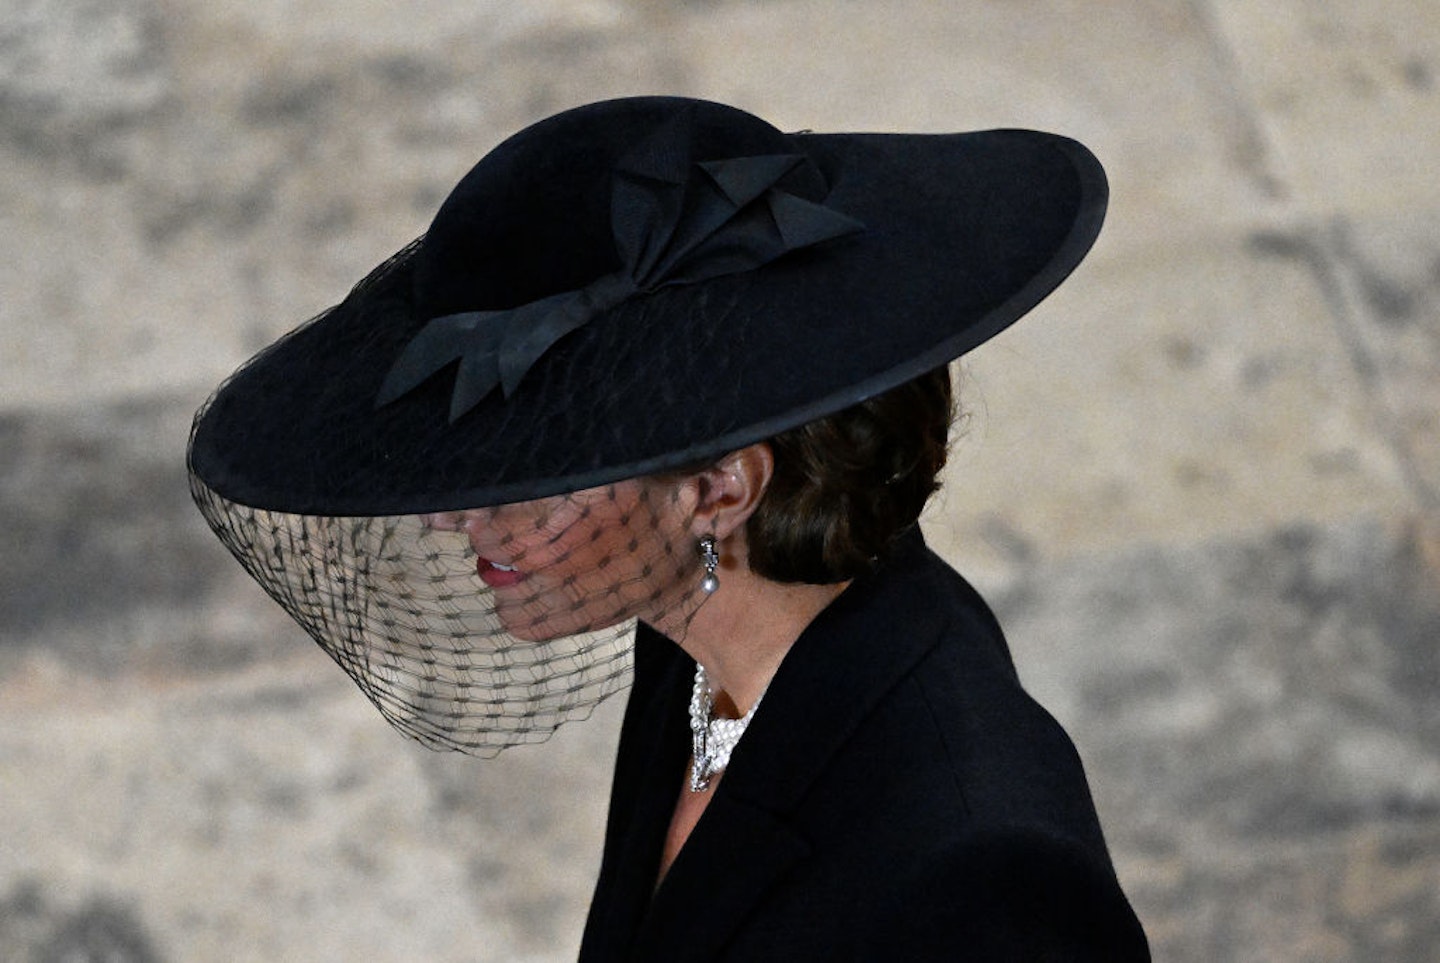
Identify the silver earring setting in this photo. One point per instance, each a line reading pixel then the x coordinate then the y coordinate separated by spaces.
pixel 711 560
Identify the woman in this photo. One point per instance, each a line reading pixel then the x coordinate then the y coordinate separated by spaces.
pixel 656 362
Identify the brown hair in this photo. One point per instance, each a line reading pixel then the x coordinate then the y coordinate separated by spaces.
pixel 847 486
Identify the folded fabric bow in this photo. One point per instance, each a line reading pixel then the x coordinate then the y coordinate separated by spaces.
pixel 673 222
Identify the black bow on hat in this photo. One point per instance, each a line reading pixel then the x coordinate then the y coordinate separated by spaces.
pixel 675 221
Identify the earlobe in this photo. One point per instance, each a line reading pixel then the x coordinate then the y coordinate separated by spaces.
pixel 731 489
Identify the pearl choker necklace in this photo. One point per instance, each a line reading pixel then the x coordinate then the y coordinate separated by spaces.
pixel 713 739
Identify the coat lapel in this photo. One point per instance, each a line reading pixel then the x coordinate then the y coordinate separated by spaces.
pixel 753 831
pixel 835 674
pixel 735 854
pixel 654 746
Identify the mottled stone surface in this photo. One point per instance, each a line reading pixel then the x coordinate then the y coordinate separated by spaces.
pixel 1266 717
pixel 1201 484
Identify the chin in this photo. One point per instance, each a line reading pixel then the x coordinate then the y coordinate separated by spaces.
pixel 522 625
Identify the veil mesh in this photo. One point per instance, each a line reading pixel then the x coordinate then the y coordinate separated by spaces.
pixel 472 652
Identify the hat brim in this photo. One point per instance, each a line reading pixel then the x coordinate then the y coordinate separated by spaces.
pixel 964 233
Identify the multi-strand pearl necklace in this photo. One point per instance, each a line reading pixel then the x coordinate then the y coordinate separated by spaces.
pixel 713 739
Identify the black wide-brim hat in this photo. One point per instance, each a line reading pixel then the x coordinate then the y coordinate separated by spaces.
pixel 639 285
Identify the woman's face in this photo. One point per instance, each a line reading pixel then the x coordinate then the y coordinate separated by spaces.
pixel 583 561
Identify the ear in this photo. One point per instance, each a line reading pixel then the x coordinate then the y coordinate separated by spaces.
pixel 729 491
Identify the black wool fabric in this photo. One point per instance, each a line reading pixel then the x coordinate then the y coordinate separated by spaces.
pixel 898 796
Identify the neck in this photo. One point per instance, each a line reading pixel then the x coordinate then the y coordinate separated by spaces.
pixel 743 631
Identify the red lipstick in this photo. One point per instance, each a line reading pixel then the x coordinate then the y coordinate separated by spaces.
pixel 497 576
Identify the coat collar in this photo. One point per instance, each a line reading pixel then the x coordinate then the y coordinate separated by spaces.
pixel 839 668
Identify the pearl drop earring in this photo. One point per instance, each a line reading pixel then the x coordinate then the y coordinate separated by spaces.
pixel 711 560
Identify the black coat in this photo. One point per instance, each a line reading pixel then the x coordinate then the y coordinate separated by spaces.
pixel 897 797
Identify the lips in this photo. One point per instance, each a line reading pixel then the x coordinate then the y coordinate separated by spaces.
pixel 495 575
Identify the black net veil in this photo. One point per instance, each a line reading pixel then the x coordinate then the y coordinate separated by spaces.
pixel 482 629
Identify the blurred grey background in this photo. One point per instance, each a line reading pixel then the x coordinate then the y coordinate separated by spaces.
pixel 1201 483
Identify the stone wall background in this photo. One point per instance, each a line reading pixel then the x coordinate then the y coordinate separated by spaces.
pixel 1201 483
